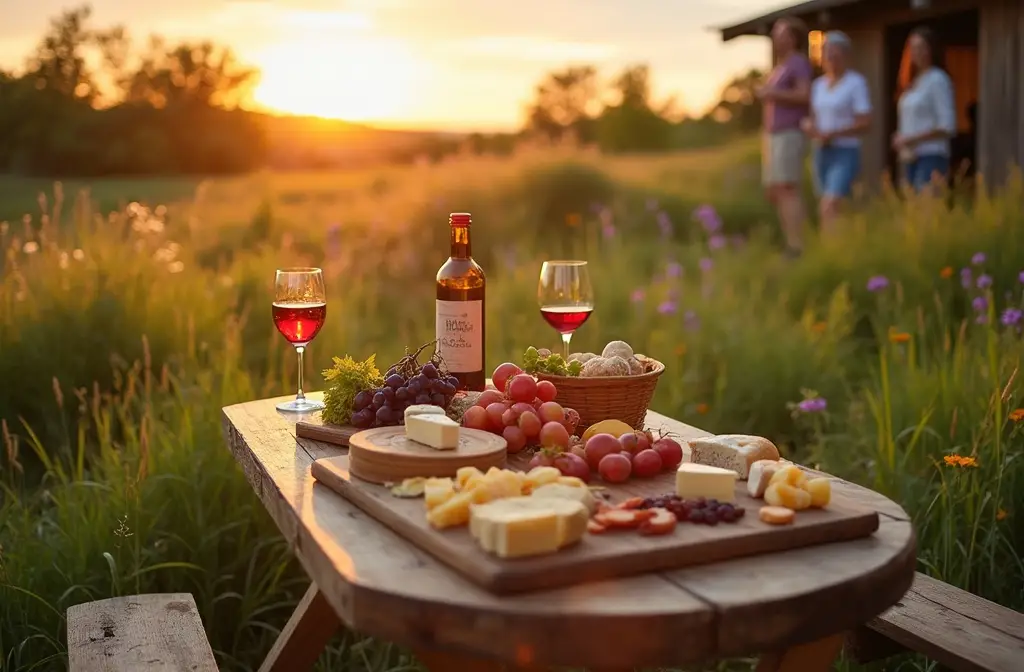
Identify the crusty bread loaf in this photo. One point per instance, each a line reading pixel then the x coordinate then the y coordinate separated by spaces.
pixel 732 451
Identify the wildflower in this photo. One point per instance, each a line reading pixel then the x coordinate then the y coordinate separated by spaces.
pixel 980 304
pixel 1021 277
pixel 984 281
pixel 64 263
pixel 573 219
pixel 708 218
pixel 674 270
pixel 819 327
pixel 638 295
pixel 706 264
pixel 702 408
pixel 966 277
pixel 959 461
pixel 652 204
pixel 877 283
pixel 978 259
pixel 813 405
pixel 680 350
pixel 77 254
pixel 1017 415
pixel 176 267
pixel 898 336
pixel 31 247
pixel 667 307
pixel 717 241
pixel 690 321
pixel 1011 317
pixel 946 273
pixel 608 230
pixel 1001 514
pixel 664 224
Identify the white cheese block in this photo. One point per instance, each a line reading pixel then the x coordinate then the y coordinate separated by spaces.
pixel 523 526
pixel 700 480
pixel 437 431
pixel 423 409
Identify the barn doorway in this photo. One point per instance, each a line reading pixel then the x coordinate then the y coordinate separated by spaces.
pixel 958 32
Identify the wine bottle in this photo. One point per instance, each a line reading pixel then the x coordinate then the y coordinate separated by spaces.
pixel 460 308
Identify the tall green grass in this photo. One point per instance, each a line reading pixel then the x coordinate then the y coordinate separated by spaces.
pixel 123 333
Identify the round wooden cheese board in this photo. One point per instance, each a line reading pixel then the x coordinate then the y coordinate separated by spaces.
pixel 385 455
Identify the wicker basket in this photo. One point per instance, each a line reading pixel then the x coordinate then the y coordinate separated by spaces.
pixel 608 397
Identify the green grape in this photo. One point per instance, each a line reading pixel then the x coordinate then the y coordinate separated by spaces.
pixel 575 368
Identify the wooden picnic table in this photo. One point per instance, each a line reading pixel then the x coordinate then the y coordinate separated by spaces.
pixel 792 607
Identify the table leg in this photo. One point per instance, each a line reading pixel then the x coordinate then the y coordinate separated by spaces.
pixel 816 656
pixel 305 636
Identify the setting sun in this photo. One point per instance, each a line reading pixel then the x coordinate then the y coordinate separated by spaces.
pixel 357 78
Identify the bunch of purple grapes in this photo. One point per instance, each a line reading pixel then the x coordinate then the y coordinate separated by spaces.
pixel 385 406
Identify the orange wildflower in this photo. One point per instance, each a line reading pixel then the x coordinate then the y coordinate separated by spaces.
pixel 573 219
pixel 1017 415
pixel 898 336
pixel 703 408
pixel 819 327
pixel 946 273
pixel 1001 514
pixel 681 349
pixel 959 461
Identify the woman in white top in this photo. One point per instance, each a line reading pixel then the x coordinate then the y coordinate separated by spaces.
pixel 840 113
pixel 927 111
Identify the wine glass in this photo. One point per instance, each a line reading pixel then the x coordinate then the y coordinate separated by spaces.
pixel 565 296
pixel 300 307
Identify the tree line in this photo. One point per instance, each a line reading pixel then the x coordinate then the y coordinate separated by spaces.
pixel 158 108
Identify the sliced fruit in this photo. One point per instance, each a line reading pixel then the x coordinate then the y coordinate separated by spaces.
pixel 662 522
pixel 614 427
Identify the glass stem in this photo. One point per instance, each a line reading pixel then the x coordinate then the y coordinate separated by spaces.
pixel 299 349
pixel 565 346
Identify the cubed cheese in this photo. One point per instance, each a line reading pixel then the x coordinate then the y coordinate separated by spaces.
pixel 700 480
pixel 524 526
pixel 437 431
pixel 761 473
pixel 581 495
pixel 423 409
pixel 437 491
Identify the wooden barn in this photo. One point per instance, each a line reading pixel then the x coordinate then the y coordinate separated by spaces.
pixel 984 43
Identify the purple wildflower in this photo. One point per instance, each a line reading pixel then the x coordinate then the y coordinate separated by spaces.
pixel 877 283
pixel 717 241
pixel 813 405
pixel 607 222
pixel 674 270
pixel 638 295
pixel 608 230
pixel 708 218
pixel 664 223
pixel 690 321
pixel 706 264
pixel 984 281
pixel 1011 317
pixel 966 277
pixel 978 259
pixel 652 204
pixel 1021 277
pixel 980 304
pixel 667 307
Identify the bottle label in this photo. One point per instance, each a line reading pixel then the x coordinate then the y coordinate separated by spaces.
pixel 460 335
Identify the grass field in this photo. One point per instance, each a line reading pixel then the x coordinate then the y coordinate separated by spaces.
pixel 123 332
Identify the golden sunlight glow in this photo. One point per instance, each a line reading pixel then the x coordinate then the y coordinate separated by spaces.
pixel 351 77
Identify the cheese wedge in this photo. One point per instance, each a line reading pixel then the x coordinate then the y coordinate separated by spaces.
pixel 423 409
pixel 581 495
pixel 523 526
pixel 700 480
pixel 437 431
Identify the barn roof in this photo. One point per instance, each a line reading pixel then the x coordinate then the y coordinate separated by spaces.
pixel 761 25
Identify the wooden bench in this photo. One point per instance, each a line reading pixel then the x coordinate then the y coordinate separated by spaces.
pixel 957 629
pixel 138 632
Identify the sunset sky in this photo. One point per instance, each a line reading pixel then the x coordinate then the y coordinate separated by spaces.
pixel 443 64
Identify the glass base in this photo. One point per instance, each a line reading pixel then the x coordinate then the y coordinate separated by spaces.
pixel 300 406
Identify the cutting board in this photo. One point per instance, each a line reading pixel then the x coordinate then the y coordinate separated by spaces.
pixel 385 455
pixel 315 429
pixel 606 556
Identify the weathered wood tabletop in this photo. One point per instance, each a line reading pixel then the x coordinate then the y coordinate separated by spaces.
pixel 794 607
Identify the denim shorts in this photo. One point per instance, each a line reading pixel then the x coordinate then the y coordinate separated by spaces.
pixel 919 171
pixel 835 169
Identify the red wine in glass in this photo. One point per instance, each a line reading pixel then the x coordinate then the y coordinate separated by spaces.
pixel 299 323
pixel 566 319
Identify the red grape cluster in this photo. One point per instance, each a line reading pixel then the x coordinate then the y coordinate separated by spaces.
pixel 406 383
pixel 700 510
pixel 526 413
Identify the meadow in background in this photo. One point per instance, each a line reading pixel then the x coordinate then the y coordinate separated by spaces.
pixel 888 355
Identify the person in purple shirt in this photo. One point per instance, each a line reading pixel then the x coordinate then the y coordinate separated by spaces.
pixel 786 98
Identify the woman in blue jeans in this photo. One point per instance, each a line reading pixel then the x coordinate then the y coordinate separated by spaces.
pixel 840 113
pixel 927 112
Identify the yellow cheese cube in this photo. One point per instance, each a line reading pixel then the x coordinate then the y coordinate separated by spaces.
pixel 785 495
pixel 539 476
pixel 821 492
pixel 437 491
pixel 699 480
pixel 464 474
pixel 495 485
pixel 453 512
pixel 571 481
pixel 790 474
